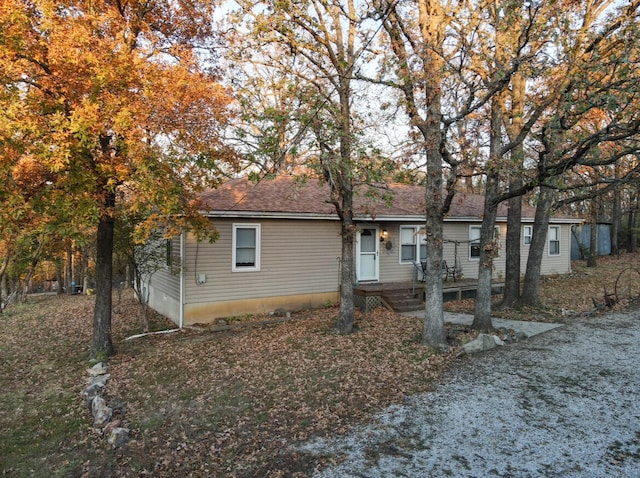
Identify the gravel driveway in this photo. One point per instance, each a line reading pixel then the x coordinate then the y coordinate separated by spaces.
pixel 562 404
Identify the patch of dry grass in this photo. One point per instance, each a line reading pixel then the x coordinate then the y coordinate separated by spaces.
pixel 200 403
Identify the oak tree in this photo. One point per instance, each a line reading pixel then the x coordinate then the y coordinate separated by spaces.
pixel 113 99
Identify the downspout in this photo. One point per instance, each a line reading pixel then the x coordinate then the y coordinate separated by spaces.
pixel 182 279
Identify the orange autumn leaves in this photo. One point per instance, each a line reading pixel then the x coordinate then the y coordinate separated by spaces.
pixel 101 95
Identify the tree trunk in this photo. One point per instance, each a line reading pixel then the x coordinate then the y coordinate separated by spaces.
pixel 85 269
pixel 629 230
pixel 422 92
pixel 4 289
pixel 634 236
pixel 631 220
pixel 514 215
pixel 592 259
pixel 344 190
pixel 431 18
pixel 102 345
pixel 531 285
pixel 68 283
pixel 344 324
pixel 425 114
pixel 60 275
pixel 433 332
pixel 127 276
pixel 32 269
pixel 488 250
pixel 616 215
pixel 488 241
pixel 512 249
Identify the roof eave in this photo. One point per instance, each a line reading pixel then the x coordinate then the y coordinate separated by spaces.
pixel 270 215
pixel 368 218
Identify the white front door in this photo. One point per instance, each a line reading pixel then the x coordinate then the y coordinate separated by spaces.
pixel 367 257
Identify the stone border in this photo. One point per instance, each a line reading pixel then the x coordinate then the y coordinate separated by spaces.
pixel 102 414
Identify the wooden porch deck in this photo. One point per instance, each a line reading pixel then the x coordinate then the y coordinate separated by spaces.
pixel 403 296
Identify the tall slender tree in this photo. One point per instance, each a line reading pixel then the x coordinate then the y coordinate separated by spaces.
pixel 511 293
pixel 314 46
pixel 440 61
pixel 416 39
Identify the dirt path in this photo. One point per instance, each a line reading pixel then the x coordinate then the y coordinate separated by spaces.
pixel 563 404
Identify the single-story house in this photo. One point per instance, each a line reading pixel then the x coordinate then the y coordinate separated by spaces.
pixel 279 247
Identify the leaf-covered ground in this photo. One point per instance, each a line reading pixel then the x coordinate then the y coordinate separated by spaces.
pixel 203 403
pixel 566 296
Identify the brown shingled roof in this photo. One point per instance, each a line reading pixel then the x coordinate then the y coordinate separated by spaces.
pixel 289 196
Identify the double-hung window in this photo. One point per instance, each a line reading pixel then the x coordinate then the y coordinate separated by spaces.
pixel 169 252
pixel 412 245
pixel 172 255
pixel 474 240
pixel 554 240
pixel 527 234
pixel 246 247
pixel 408 241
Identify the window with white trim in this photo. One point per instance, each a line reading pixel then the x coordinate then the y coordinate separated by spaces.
pixel 169 252
pixel 246 247
pixel 527 234
pixel 408 240
pixel 554 240
pixel 412 244
pixel 474 240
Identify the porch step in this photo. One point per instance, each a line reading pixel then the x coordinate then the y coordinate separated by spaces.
pixel 402 300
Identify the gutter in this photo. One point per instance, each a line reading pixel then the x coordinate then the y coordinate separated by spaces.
pixel 182 284
pixel 408 218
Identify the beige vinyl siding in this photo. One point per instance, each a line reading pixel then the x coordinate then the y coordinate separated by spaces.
pixel 167 279
pixel 392 270
pixel 500 262
pixel 164 286
pixel 459 231
pixel 296 257
pixel 167 282
pixel 558 264
pixel 524 249
pixel 524 252
pixel 299 265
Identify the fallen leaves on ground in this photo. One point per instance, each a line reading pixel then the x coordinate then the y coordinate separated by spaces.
pixel 199 403
pixel 233 401
pixel 204 403
pixel 566 296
